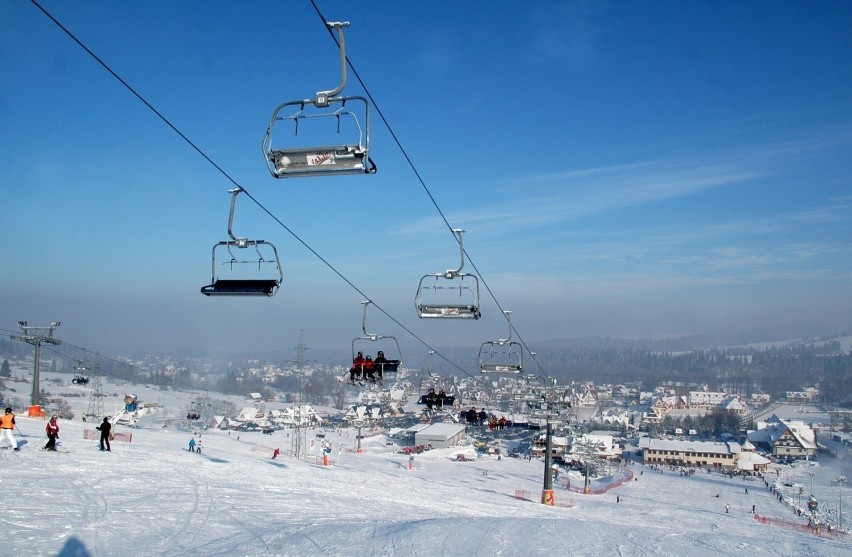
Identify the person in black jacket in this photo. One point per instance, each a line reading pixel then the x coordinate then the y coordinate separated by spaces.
pixel 105 428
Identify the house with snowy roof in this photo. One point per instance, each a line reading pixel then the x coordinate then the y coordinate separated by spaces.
pixel 671 452
pixel 750 461
pixel 784 438
pixel 735 406
pixel 706 399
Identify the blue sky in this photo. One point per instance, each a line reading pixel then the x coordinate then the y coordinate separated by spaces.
pixel 621 168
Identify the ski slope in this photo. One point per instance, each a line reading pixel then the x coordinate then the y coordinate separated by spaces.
pixel 152 497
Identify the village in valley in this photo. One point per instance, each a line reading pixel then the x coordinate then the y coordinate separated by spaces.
pixel 796 446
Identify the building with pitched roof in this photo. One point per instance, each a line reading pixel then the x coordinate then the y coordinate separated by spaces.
pixel 784 438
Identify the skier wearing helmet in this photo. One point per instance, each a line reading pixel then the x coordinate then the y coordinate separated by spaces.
pixel 7 424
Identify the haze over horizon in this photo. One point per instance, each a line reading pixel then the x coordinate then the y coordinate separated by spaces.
pixel 621 170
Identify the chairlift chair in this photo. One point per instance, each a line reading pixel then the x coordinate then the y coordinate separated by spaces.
pixel 503 355
pixel 446 295
pixel 358 343
pixel 298 159
pixel 234 283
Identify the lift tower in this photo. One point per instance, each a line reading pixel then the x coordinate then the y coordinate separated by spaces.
pixel 37 336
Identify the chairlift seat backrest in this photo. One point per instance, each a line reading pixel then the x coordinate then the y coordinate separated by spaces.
pixel 500 368
pixel 318 161
pixel 241 287
pixel 390 366
pixel 427 311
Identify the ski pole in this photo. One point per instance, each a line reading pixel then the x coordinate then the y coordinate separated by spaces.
pixel 42 440
pixel 23 437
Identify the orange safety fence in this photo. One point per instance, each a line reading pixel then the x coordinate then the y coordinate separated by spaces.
pixel 626 476
pixel 823 531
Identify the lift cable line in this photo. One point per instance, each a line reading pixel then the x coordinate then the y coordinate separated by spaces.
pixel 100 371
pixel 420 179
pixel 263 208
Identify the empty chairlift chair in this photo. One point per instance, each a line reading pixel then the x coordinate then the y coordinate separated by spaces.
pixel 449 295
pixel 503 355
pixel 311 154
pixel 236 275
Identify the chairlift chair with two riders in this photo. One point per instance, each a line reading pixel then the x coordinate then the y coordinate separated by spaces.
pixel 447 295
pixel 292 158
pixel 503 355
pixel 238 280
pixel 385 342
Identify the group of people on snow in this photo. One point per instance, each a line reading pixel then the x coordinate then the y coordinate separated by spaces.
pixel 51 429
pixel 194 446
pixel 365 368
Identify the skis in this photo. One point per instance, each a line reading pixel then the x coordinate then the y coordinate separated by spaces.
pixel 359 382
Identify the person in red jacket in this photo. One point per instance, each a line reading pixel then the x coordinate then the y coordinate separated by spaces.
pixel 7 424
pixel 368 369
pixel 52 429
pixel 357 367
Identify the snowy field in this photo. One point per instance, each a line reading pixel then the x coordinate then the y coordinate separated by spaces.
pixel 152 497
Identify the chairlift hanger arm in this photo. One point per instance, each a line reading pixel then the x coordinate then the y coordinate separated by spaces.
pixel 240 242
pixel 322 98
pixel 451 273
pixel 506 340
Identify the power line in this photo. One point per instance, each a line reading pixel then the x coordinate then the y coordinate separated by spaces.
pixel 201 152
pixel 420 178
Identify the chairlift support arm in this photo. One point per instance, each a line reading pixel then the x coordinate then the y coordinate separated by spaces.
pixel 323 96
pixel 450 273
pixel 503 341
pixel 240 242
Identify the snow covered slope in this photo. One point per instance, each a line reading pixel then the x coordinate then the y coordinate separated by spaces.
pixel 152 497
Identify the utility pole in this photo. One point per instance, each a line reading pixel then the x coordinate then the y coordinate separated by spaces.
pixel 95 409
pixel 547 491
pixel 37 336
pixel 300 429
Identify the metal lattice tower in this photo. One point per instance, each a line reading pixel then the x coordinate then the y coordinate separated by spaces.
pixel 299 440
pixel 95 408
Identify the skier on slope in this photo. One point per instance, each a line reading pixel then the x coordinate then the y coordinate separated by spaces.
pixel 105 428
pixel 52 429
pixel 192 445
pixel 7 424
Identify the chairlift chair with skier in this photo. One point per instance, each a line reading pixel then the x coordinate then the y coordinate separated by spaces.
pixel 362 345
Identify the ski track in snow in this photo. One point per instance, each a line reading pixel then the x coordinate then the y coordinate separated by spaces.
pixel 150 497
